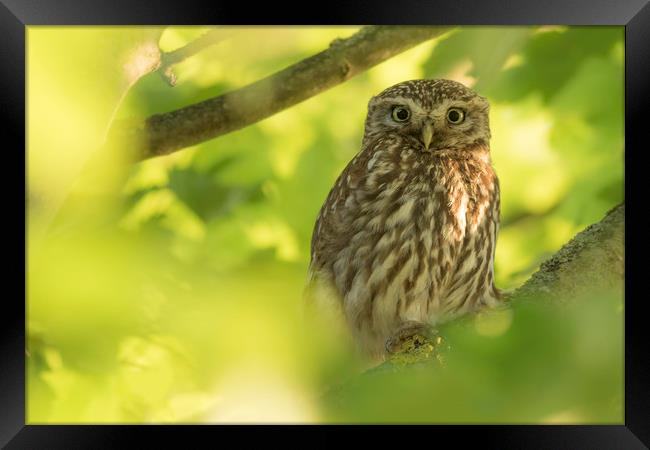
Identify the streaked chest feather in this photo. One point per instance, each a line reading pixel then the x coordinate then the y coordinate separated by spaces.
pixel 411 238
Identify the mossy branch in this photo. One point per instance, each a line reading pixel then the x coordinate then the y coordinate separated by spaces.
pixel 592 260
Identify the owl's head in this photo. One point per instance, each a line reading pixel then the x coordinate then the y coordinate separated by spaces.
pixel 432 114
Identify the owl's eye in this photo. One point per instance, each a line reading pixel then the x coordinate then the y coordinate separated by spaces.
pixel 401 114
pixel 455 115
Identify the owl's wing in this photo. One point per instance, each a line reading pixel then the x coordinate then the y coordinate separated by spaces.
pixel 332 230
pixel 334 223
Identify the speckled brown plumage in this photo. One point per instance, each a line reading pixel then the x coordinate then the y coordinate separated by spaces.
pixel 408 232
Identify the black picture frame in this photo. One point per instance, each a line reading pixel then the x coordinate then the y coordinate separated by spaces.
pixel 15 15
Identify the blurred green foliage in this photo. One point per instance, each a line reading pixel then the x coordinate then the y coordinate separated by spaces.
pixel 504 367
pixel 184 304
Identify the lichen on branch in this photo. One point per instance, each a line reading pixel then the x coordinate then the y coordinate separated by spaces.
pixel 592 260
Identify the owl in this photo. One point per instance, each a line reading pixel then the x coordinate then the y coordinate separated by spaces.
pixel 406 237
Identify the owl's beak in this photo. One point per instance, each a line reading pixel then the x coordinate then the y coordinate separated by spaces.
pixel 427 135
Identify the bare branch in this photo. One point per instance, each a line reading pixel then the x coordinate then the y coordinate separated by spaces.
pixel 170 59
pixel 162 134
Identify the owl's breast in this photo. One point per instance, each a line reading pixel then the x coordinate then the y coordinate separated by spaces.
pixel 426 233
pixel 406 238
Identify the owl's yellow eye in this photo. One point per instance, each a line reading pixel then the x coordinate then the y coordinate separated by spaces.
pixel 401 114
pixel 455 115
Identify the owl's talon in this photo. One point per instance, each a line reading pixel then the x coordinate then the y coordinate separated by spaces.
pixel 410 337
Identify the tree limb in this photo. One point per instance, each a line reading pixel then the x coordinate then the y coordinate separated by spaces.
pixel 162 134
pixel 170 59
pixel 592 260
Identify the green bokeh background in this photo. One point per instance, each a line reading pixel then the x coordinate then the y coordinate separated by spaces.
pixel 178 298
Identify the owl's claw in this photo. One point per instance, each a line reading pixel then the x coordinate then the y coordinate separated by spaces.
pixel 413 337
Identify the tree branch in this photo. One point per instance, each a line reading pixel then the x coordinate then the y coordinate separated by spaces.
pixel 592 260
pixel 162 134
pixel 170 59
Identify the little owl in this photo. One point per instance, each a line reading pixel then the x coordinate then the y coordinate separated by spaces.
pixel 406 237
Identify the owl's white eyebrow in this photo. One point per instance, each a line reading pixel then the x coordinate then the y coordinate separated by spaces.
pixel 399 101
